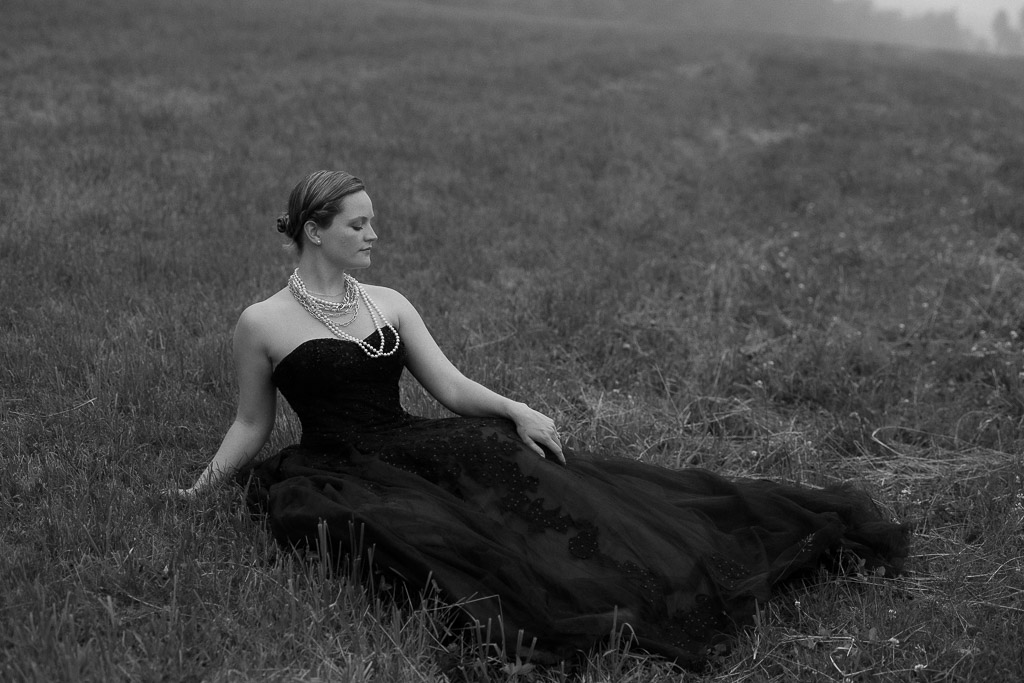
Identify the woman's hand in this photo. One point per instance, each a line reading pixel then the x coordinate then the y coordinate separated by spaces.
pixel 190 493
pixel 537 430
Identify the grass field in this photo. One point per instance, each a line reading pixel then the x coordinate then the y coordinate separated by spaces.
pixel 777 258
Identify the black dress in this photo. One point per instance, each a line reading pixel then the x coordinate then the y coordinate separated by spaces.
pixel 565 553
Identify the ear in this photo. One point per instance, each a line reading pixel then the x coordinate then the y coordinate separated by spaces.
pixel 312 231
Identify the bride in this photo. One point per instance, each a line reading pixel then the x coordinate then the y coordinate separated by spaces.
pixel 549 546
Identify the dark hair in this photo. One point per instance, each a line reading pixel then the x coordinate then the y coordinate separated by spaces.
pixel 318 198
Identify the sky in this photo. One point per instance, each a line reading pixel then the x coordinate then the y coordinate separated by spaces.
pixel 975 15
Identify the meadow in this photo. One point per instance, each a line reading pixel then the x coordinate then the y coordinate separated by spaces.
pixel 767 257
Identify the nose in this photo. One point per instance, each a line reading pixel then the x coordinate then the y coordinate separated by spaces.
pixel 371 234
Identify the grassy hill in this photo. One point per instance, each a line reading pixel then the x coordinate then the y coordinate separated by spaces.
pixel 768 257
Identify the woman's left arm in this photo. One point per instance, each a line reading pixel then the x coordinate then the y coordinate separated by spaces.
pixel 459 394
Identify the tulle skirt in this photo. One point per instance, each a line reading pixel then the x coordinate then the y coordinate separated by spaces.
pixel 561 556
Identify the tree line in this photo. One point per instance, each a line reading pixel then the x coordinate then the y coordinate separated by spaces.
pixel 843 19
pixel 1008 39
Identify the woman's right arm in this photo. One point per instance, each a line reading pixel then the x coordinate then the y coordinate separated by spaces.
pixel 257 405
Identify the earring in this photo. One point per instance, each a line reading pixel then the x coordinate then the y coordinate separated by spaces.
pixel 316 240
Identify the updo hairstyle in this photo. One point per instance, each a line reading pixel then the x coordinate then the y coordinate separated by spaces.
pixel 318 198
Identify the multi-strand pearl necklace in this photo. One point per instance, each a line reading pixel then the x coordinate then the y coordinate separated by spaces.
pixel 325 311
pixel 349 306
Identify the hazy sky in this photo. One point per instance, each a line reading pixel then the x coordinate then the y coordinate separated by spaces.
pixel 974 14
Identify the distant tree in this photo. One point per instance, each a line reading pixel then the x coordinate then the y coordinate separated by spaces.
pixel 843 19
pixel 1008 39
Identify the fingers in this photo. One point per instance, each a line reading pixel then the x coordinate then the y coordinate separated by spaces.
pixel 181 494
pixel 532 445
pixel 539 433
pixel 555 445
pixel 550 441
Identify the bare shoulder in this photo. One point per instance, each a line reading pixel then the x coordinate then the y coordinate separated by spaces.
pixel 257 320
pixel 396 308
pixel 392 303
pixel 384 293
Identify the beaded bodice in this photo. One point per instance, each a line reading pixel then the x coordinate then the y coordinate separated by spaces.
pixel 337 390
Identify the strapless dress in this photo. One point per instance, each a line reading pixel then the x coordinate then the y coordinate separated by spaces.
pixel 552 555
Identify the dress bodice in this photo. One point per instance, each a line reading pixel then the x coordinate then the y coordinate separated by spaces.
pixel 337 390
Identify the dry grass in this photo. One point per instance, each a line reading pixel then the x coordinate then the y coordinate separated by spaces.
pixel 778 259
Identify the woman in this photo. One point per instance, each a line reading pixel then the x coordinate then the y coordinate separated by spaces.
pixel 486 508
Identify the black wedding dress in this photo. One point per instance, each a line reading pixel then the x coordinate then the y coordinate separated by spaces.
pixel 566 553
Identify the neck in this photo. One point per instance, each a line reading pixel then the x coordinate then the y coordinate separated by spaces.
pixel 319 277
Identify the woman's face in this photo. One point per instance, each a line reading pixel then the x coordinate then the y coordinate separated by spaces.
pixel 348 240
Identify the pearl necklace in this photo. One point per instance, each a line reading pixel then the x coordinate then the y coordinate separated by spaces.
pixel 322 310
pixel 349 306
